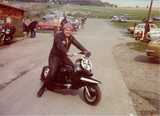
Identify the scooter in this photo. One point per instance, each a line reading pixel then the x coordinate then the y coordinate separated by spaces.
pixel 5 36
pixel 81 77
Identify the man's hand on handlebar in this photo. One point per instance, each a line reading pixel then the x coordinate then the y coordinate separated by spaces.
pixel 87 53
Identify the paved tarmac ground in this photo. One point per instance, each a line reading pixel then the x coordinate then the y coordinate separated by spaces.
pixel 21 64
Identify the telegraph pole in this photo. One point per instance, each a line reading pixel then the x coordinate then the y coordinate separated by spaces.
pixel 147 21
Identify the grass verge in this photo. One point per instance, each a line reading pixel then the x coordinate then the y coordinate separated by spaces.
pixel 138 46
pixel 107 12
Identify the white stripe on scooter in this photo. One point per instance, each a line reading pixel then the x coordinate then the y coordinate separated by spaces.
pixel 88 80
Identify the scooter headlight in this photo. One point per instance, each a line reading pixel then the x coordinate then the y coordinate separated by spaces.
pixel 86 64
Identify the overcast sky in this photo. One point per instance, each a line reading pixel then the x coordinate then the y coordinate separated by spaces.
pixel 133 2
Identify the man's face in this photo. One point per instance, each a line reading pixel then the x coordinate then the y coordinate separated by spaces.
pixel 67 32
pixel 8 20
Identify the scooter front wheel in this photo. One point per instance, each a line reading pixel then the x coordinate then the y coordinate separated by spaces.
pixel 92 94
pixel 7 40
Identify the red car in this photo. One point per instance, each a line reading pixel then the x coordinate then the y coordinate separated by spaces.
pixel 45 25
pixel 48 25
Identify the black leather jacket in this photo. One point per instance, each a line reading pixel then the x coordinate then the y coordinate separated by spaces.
pixel 59 49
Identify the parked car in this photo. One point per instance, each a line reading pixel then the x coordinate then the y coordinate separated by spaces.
pixel 140 28
pixel 115 18
pixel 45 25
pixel 131 29
pixel 153 49
pixel 156 18
pixel 75 22
pixel 49 17
pixel 120 18
pixel 153 34
pixel 48 25
pixel 123 18
pixel 145 20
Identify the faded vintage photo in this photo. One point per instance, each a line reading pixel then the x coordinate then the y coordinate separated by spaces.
pixel 79 57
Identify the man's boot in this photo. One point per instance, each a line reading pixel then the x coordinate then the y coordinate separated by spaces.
pixel 41 90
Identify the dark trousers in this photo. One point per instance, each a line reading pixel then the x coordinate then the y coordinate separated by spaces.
pixel 55 63
pixel 33 33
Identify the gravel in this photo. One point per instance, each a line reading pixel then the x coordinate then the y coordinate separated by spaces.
pixel 142 77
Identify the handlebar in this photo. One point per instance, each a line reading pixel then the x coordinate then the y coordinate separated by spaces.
pixel 74 54
pixel 85 54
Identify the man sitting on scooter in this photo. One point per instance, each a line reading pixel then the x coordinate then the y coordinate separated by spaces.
pixel 58 54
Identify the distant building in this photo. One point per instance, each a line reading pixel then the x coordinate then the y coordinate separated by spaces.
pixel 16 14
pixel 13 12
pixel 2 0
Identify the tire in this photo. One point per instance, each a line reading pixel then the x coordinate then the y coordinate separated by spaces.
pixel 95 92
pixel 1 37
pixel 5 41
pixel 44 72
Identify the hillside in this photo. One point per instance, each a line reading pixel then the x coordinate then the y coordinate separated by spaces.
pixel 79 2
